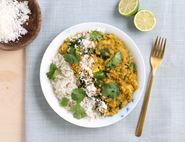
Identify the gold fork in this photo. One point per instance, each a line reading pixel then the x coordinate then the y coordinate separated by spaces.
pixel 155 60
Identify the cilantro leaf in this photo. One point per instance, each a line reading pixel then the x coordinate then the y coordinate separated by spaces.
pixel 105 53
pixel 91 51
pixel 100 75
pixel 72 57
pixel 133 67
pixel 64 102
pixel 53 71
pixel 81 83
pixel 98 83
pixel 116 60
pixel 96 35
pixel 111 90
pixel 78 95
pixel 72 51
pixel 76 42
pixel 78 111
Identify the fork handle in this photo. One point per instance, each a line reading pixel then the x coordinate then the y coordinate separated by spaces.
pixel 144 107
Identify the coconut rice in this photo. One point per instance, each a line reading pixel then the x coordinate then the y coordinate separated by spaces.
pixel 65 82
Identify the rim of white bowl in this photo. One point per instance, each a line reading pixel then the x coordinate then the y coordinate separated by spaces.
pixel 89 124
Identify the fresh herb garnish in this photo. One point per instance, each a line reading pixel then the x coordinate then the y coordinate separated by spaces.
pixel 64 102
pixel 81 83
pixel 105 53
pixel 96 35
pixel 78 111
pixel 76 42
pixel 133 67
pixel 78 95
pixel 115 61
pixel 91 50
pixel 111 90
pixel 72 51
pixel 72 57
pixel 53 71
pixel 100 75
pixel 98 83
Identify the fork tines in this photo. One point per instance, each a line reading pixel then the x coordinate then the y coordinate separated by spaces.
pixel 159 47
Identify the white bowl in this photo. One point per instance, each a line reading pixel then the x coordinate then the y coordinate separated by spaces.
pixel 47 88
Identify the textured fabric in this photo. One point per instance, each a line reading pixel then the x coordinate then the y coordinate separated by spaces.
pixel 165 119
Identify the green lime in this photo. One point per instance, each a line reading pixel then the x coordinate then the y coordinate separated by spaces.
pixel 145 20
pixel 128 7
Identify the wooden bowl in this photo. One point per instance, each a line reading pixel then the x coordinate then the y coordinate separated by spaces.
pixel 33 28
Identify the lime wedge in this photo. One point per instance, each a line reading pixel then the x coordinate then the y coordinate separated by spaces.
pixel 145 20
pixel 128 7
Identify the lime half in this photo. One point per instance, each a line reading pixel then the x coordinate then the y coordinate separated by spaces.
pixel 145 20
pixel 128 7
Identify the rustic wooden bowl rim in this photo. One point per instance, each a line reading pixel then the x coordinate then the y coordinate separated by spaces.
pixel 34 31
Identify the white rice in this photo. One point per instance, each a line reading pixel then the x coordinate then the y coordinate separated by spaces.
pixel 65 82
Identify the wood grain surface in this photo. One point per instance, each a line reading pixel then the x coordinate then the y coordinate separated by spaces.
pixel 12 96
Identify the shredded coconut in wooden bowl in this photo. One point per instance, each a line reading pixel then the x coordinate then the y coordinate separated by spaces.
pixel 13 15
